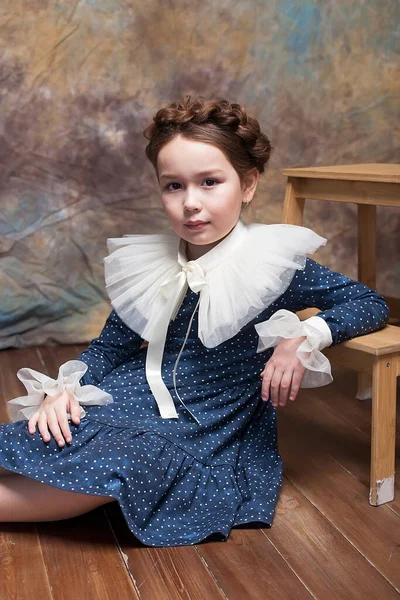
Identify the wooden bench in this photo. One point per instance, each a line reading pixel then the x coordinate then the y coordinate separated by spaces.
pixel 376 355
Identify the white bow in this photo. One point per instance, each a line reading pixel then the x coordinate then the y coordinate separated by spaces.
pixel 37 385
pixel 174 290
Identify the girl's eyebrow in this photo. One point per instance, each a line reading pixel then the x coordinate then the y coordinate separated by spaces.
pixel 201 174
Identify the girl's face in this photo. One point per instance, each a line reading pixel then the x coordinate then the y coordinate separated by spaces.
pixel 201 192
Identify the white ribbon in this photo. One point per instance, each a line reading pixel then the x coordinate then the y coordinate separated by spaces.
pixel 37 385
pixel 174 290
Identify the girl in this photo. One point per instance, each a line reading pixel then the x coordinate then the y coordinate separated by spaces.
pixel 182 431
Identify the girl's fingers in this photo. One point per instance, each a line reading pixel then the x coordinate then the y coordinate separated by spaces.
pixel 32 422
pixel 54 417
pixel 296 382
pixel 52 421
pixel 64 425
pixel 275 383
pixel 74 410
pixel 266 382
pixel 42 426
pixel 285 387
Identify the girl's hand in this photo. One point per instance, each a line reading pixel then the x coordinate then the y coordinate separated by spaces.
pixel 52 414
pixel 283 373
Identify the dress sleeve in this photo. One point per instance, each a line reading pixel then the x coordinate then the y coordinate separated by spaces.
pixel 115 344
pixel 348 307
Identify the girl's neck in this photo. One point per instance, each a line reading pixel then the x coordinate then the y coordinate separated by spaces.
pixel 193 251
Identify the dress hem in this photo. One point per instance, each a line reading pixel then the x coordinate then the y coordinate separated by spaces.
pixel 222 531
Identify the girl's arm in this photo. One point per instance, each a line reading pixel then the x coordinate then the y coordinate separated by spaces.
pixel 348 307
pixel 76 382
pixel 115 344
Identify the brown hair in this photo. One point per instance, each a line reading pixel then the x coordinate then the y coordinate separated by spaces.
pixel 218 122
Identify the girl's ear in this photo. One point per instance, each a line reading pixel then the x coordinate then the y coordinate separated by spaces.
pixel 249 185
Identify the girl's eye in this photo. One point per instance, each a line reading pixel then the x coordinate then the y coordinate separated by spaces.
pixel 209 182
pixel 173 186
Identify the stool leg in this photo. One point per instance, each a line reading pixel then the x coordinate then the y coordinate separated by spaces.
pixel 383 429
pixel 293 206
pixel 367 244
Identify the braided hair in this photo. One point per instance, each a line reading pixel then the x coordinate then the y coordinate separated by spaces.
pixel 216 122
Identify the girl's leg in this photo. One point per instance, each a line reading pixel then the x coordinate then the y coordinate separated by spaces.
pixel 24 499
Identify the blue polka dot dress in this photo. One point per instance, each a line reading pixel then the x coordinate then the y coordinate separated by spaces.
pixel 179 481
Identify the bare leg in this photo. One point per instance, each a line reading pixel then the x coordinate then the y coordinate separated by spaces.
pixel 24 499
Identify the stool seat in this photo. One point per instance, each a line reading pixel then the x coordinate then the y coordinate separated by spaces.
pixel 384 172
pixel 378 343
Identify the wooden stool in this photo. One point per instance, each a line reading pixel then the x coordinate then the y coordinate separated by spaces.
pixel 375 356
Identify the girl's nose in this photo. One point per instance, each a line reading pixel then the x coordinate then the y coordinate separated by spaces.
pixel 192 200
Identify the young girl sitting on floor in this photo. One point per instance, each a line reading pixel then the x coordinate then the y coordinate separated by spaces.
pixel 182 431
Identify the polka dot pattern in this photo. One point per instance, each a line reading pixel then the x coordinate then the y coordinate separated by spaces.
pixel 178 481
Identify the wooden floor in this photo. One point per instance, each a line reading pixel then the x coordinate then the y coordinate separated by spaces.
pixel 326 541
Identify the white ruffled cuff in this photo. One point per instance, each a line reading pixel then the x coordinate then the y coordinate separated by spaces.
pixel 284 325
pixel 37 385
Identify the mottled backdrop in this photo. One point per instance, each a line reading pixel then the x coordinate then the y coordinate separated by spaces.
pixel 79 80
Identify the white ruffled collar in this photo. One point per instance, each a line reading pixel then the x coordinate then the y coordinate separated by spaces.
pixel 237 279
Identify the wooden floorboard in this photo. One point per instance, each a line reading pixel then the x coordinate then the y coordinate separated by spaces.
pixel 320 554
pixel 10 362
pixel 168 573
pixel 344 441
pixel 248 566
pixel 23 573
pixel 86 548
pixel 306 447
pixel 326 541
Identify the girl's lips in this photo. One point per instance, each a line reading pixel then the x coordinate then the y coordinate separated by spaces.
pixel 196 225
